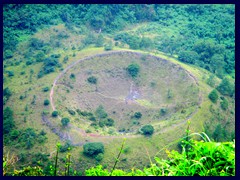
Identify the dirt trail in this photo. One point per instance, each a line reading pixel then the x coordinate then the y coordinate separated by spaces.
pixel 66 136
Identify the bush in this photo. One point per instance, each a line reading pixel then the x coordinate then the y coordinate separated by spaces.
pixel 46 102
pixel 137 115
pixel 147 130
pixel 133 70
pixel 93 149
pixel 99 157
pixel 92 80
pixel 72 76
pixel 65 121
pixel 45 89
pixel 100 112
pixel 213 96
pixel 54 113
pixel 65 147
pixel 224 104
pixel 163 111
pixel 226 87
pixel 72 112
pixel 109 122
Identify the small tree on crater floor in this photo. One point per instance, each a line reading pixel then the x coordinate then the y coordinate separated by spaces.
pixel 65 121
pixel 133 70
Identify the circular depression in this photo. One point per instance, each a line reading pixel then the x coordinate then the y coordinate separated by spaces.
pixel 162 91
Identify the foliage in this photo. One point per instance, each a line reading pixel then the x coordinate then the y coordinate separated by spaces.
pixel 65 147
pixel 46 102
pixel 100 112
pixel 211 81
pixel 8 121
pixel 138 115
pixel 224 104
pixel 188 56
pixel 163 111
pixel 6 94
pixel 99 157
pixel 92 80
pixel 147 129
pixel 65 121
pixel 54 113
pixel 72 112
pixel 213 96
pixel 93 149
pixel 45 89
pixel 226 87
pixel 133 70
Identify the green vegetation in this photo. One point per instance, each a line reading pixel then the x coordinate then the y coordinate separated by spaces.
pixel 137 115
pixel 54 113
pixel 6 94
pixel 65 122
pixel 93 149
pixel 46 102
pixel 213 96
pixel 147 129
pixel 226 87
pixel 224 104
pixel 92 80
pixel 133 70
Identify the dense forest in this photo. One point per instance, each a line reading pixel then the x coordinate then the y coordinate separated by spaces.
pixel 203 35
pixel 39 41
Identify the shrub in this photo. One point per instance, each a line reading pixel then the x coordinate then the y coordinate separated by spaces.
pixel 92 80
pixel 137 115
pixel 99 157
pixel 147 129
pixel 213 96
pixel 226 87
pixel 133 70
pixel 72 76
pixel 93 149
pixel 65 147
pixel 54 113
pixel 100 112
pixel 109 122
pixel 46 102
pixel 163 111
pixel 45 89
pixel 65 121
pixel 224 104
pixel 72 112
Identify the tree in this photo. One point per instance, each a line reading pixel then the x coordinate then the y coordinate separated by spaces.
pixel 218 133
pixel 224 104
pixel 54 113
pixel 226 87
pixel 65 121
pixel 100 112
pixel 6 94
pixel 211 81
pixel 188 56
pixel 100 41
pixel 8 122
pixel 133 70
pixel 213 96
pixel 147 129
pixel 92 80
pixel 46 102
pixel 138 115
pixel 109 122
pixel 93 149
